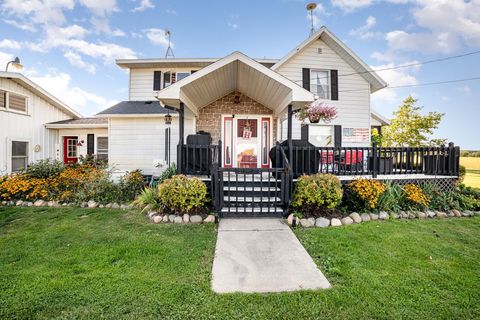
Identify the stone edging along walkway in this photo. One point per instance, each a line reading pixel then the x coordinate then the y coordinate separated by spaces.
pixel 355 218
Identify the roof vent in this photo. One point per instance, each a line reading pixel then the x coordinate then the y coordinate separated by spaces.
pixel 319 50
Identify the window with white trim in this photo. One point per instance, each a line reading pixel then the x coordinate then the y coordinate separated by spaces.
pixel 19 155
pixel 3 99
pixel 102 148
pixel 182 75
pixel 320 83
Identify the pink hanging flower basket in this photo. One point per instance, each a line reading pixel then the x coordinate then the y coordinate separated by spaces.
pixel 318 111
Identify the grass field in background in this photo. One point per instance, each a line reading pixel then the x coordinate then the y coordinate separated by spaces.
pixel 472 177
pixel 71 263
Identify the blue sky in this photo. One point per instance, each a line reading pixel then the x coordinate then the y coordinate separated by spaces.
pixel 69 47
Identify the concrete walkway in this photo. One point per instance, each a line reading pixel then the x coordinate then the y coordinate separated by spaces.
pixel 262 255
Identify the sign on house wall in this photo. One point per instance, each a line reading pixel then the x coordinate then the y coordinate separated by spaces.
pixel 355 135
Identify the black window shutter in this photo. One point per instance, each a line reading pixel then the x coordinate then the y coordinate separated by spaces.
pixel 157 76
pixel 338 136
pixel 334 84
pixel 90 144
pixel 306 78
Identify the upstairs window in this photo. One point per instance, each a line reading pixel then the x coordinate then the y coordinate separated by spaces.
pixel 3 99
pixel 167 79
pixel 170 78
pixel 182 75
pixel 320 83
pixel 17 102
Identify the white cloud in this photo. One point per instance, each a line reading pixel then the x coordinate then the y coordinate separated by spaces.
pixel 22 26
pixel 394 77
pixel 59 84
pixel 108 52
pixel 448 24
pixel 144 5
pixel 4 59
pixel 102 25
pixel 157 36
pixel 77 61
pixel 232 25
pixel 38 11
pixel 171 11
pixel 10 44
pixel 351 5
pixel 364 32
pixel 100 7
pixel 466 90
pixel 423 42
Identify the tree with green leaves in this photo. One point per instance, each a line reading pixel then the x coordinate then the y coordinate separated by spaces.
pixel 409 128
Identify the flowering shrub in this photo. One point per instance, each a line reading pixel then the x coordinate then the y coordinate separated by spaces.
pixel 318 190
pixel 181 194
pixel 364 194
pixel 318 110
pixel 415 196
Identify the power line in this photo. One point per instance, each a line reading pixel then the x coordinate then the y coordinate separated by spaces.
pixel 419 84
pixel 409 65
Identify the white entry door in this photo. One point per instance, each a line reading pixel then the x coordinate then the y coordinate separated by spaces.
pixel 246 141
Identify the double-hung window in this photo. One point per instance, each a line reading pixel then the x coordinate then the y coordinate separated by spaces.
pixel 320 83
pixel 182 75
pixel 170 77
pixel 19 155
pixel 102 148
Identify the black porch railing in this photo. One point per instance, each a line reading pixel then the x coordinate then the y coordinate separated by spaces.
pixel 375 160
pixel 198 159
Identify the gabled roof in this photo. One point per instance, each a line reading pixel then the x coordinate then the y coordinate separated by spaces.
pixel 380 118
pixel 138 108
pixel 178 62
pixel 39 91
pixel 376 82
pixel 235 72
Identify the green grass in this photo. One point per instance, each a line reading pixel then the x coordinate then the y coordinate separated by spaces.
pixel 90 264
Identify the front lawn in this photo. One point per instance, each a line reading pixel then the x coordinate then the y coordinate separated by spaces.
pixel 92 263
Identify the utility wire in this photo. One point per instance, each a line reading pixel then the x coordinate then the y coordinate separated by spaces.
pixel 408 65
pixel 419 84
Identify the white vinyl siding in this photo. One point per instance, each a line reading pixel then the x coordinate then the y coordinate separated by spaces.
pixel 353 104
pixel 141 82
pixel 16 126
pixel 139 143
pixel 82 135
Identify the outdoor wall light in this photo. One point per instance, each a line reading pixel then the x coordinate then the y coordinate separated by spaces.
pixel 168 119
pixel 16 64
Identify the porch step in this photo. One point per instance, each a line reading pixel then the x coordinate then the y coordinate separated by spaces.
pixel 236 211
pixel 251 189
pixel 267 200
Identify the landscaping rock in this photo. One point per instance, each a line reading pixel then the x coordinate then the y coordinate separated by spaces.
pixel 115 206
pixel 411 215
pixel 124 207
pixel 92 204
pixel 4 203
pixel 347 221
pixel 468 213
pixel 209 219
pixel 11 203
pixel 393 215
pixel 306 223
pixel 178 219
pixel 151 214
pixel 101 206
pixel 373 216
pixel 165 218
pixel 451 214
pixel 84 205
pixel 157 219
pixel 365 217
pixel 39 203
pixel 457 213
pixel 355 217
pixel 108 206
pixel 196 219
pixel 335 222
pixel 19 203
pixel 322 222
pixel 290 219
pixel 171 217
pixel 50 203
pixel 441 215
pixel 28 204
pixel 186 218
pixel 383 215
pixel 421 215
pixel 403 215
pixel 431 214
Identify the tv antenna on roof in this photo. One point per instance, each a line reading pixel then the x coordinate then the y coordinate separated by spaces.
pixel 169 52
pixel 310 7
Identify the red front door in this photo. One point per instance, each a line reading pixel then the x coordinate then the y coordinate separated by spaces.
pixel 70 149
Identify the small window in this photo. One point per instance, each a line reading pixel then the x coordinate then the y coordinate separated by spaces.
pixel 3 99
pixel 167 79
pixel 320 83
pixel 102 148
pixel 17 102
pixel 182 75
pixel 19 155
